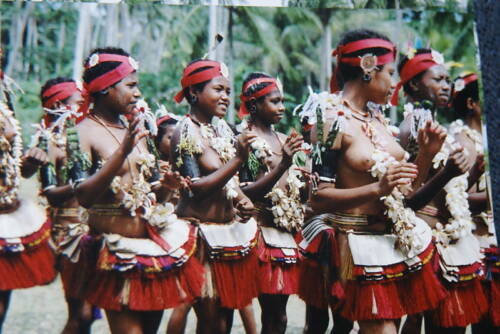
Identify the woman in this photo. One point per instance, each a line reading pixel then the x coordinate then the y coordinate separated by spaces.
pixel 382 257
pixel 467 129
pixel 26 259
pixel 143 253
pixel 274 184
pixel 426 82
pixel 60 99
pixel 204 149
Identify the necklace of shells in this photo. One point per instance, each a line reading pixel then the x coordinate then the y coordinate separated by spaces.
pixel 460 223
pixel 221 138
pixel 287 209
pixel 10 157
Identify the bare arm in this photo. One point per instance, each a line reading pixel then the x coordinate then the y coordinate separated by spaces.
pixel 93 187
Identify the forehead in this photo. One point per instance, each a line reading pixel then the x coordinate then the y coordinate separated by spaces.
pixel 274 94
pixel 132 77
pixel 76 95
pixel 436 70
pixel 219 81
pixel 390 66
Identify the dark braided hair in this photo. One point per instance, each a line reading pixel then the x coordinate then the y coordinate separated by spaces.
pixel 347 72
pixel 459 102
pixel 254 88
pixel 50 83
pixel 403 60
pixel 199 86
pixel 102 68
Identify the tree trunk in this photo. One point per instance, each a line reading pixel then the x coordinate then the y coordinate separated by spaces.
pixel 17 34
pixel 81 37
pixel 230 61
pixel 212 28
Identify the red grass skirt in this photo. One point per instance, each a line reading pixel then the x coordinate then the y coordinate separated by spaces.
pixel 236 281
pixel 492 283
pixel 75 275
pixel 319 284
pixel 278 274
pixel 35 265
pixel 155 283
pixel 465 304
pixel 391 298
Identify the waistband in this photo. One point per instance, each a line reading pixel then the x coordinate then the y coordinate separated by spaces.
pixel 108 210
pixel 67 212
pixel 429 211
pixel 358 223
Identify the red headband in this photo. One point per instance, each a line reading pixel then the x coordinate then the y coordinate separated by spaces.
pixel 162 119
pixel 214 70
pixel 410 69
pixel 465 81
pixel 127 66
pixel 342 52
pixel 264 91
pixel 59 92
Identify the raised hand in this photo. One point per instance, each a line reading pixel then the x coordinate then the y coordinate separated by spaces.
pixel 35 157
pixel 431 138
pixel 457 163
pixel 243 143
pixel 134 134
pixel 292 145
pixel 400 174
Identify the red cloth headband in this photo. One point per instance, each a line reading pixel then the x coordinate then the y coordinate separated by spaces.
pixel 342 52
pixel 162 119
pixel 411 69
pixel 127 66
pixel 188 80
pixel 264 91
pixel 59 92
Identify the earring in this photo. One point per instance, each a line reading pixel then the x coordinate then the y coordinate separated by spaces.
pixel 366 77
pixel 253 109
pixel 194 99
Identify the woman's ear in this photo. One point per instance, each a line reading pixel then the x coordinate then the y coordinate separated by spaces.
pixel 414 86
pixel 470 103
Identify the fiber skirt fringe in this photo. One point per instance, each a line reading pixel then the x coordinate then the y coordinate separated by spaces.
pixel 140 282
pixel 28 262
pixel 229 254
pixel 400 292
pixel 278 272
pixel 319 284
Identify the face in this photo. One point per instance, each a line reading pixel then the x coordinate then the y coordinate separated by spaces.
pixel 382 84
pixel 434 86
pixel 271 108
pixel 123 96
pixel 214 98
pixel 164 145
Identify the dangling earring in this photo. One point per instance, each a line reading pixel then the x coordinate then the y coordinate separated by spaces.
pixel 194 99
pixel 253 109
pixel 366 77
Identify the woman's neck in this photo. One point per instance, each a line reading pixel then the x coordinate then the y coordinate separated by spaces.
pixel 355 96
pixel 474 122
pixel 261 125
pixel 200 116
pixel 107 115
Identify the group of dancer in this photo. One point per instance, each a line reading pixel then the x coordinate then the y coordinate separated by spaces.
pixel 148 212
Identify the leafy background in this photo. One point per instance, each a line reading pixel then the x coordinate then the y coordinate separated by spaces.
pixel 44 40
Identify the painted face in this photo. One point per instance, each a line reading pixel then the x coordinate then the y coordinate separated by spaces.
pixel 271 108
pixel 164 145
pixel 435 86
pixel 123 96
pixel 382 84
pixel 214 98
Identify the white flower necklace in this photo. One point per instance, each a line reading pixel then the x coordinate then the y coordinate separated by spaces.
pixel 221 139
pixel 404 219
pixel 460 222
pixel 10 157
pixel 287 209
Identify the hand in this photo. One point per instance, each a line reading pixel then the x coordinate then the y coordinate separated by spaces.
pixel 399 174
pixel 293 144
pixel 457 163
pixel 174 180
pixel 36 157
pixel 134 134
pixel 243 143
pixel 431 138
pixel 245 208
pixel 480 165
